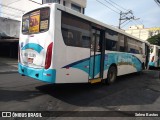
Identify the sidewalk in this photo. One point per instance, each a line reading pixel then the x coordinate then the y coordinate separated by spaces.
pixel 8 65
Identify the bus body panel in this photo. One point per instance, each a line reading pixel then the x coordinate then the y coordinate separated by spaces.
pixel 154 60
pixel 69 64
pixel 33 50
pixel 123 61
pixel 65 55
pixel 39 74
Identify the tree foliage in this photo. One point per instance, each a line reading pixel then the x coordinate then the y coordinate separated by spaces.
pixel 155 40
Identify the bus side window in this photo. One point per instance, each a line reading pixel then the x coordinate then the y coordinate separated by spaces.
pixel 151 50
pixel 86 41
pixel 157 51
pixel 111 40
pixel 131 46
pixel 65 35
pixel 70 39
pixel 111 45
pixel 121 43
pixel 79 34
pixel 134 46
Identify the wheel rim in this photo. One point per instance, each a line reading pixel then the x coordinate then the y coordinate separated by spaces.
pixel 112 76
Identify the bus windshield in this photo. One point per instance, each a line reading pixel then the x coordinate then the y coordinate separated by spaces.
pixel 36 21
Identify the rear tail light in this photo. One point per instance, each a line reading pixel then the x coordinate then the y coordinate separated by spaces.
pixel 48 56
pixel 152 59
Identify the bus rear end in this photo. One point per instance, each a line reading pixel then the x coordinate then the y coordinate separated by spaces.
pixel 36 45
pixel 154 56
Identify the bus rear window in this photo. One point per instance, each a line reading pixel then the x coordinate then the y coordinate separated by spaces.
pixel 36 21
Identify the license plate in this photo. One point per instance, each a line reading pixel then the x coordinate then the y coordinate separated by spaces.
pixel 30 60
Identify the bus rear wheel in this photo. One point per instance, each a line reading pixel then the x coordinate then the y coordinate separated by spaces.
pixel 112 75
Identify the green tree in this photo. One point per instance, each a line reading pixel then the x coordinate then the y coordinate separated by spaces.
pixel 155 40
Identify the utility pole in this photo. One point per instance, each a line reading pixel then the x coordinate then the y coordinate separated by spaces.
pixel 124 17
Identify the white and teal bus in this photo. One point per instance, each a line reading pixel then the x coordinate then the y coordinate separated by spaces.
pixel 59 45
pixel 154 60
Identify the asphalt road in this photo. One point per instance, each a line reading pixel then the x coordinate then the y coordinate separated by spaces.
pixel 135 92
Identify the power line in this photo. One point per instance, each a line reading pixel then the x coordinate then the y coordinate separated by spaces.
pixel 124 16
pixel 107 6
pixel 134 18
pixel 134 23
pixel 158 2
pixel 137 20
pixel 112 5
pixel 118 5
pixel 124 9
pixel 140 22
pixel 126 23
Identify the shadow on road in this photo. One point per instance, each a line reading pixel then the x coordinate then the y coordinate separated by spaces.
pixel 13 95
pixel 133 89
pixel 155 68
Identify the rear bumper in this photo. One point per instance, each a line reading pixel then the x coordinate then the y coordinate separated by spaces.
pixel 44 75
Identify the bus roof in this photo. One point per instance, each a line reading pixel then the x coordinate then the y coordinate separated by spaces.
pixel 80 15
pixel 155 46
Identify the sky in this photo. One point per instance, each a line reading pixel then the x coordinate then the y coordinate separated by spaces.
pixel 147 10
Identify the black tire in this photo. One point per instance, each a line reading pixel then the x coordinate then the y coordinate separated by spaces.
pixel 112 75
pixel 150 67
pixel 143 66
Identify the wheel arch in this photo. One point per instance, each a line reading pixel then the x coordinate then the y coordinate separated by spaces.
pixel 114 65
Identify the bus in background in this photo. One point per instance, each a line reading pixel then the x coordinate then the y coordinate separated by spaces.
pixel 59 45
pixel 154 60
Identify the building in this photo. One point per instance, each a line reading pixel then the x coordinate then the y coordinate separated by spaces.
pixel 78 5
pixel 143 33
pixel 9 34
pixel 15 8
pixel 9 28
pixel 10 16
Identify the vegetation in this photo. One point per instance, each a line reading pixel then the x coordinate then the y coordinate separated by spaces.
pixel 155 40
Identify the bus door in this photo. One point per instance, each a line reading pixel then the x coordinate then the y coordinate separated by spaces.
pixel 96 56
pixel 147 51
